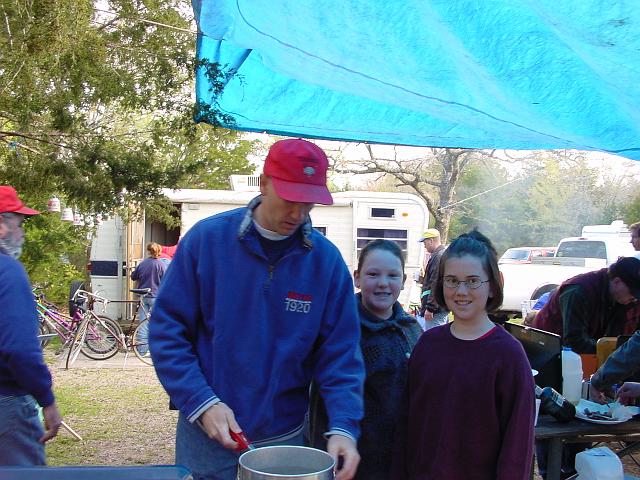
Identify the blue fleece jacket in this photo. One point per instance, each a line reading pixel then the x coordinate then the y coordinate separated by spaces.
pixel 228 326
pixel 22 368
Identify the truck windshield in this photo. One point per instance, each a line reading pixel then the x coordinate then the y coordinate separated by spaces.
pixel 582 249
pixel 514 254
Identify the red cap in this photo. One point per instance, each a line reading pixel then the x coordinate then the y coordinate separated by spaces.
pixel 298 170
pixel 9 202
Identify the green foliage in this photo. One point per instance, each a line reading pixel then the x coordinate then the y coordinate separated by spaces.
pixel 555 196
pixel 54 253
pixel 96 108
pixel 632 211
pixel 96 103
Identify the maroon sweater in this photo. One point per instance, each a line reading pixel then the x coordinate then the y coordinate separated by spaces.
pixel 470 410
pixel 587 313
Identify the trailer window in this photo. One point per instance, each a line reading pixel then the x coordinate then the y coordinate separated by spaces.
pixel 383 213
pixel 365 235
pixel 322 230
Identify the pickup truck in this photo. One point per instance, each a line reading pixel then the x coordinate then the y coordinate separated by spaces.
pixel 573 256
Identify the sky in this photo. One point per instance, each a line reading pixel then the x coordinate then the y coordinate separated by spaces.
pixel 607 165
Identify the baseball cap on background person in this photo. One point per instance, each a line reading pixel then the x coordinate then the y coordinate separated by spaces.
pixel 11 203
pixel 429 233
pixel 298 171
pixel 627 269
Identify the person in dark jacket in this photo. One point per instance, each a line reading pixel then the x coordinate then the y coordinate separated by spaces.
pixel 620 365
pixel 388 337
pixel 24 377
pixel 432 313
pixel 593 305
pixel 149 274
pixel 582 310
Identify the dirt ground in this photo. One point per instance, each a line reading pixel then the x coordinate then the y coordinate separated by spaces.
pixel 123 416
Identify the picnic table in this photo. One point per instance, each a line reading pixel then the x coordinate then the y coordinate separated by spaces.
pixel 578 431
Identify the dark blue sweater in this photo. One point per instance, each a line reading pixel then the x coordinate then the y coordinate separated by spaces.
pixel 149 274
pixel 22 368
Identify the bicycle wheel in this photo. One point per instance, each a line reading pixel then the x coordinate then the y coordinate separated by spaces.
pixel 140 342
pixel 76 343
pixel 43 329
pixel 103 338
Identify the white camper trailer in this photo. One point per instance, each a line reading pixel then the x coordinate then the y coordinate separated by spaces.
pixel 354 219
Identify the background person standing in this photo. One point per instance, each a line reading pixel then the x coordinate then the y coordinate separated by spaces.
pixel 24 377
pixel 634 229
pixel 149 274
pixel 432 313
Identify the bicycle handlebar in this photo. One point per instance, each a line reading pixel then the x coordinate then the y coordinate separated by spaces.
pixel 83 294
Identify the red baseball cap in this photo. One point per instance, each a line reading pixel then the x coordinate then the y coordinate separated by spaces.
pixel 9 202
pixel 298 170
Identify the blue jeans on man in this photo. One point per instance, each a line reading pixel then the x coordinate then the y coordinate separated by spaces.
pixel 20 431
pixel 206 458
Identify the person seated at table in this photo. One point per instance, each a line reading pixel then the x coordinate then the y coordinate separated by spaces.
pixel 469 403
pixel 628 392
pixel 593 305
pixel 582 310
pixel 621 364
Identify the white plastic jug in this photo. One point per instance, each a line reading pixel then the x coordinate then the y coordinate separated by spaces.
pixel 599 464
pixel 571 375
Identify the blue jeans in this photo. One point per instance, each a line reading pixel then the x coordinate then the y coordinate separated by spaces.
pixel 206 458
pixel 142 339
pixel 20 429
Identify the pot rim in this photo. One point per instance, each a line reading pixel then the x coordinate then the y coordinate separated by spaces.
pixel 284 475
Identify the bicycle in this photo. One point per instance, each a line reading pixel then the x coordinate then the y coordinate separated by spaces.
pixel 53 321
pixel 106 340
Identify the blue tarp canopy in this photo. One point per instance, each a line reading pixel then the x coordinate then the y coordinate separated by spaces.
pixel 513 74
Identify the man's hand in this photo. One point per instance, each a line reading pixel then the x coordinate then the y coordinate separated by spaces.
pixel 217 421
pixel 341 447
pixel 596 395
pixel 52 422
pixel 627 392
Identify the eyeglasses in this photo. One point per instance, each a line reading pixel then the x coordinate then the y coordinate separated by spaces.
pixel 472 283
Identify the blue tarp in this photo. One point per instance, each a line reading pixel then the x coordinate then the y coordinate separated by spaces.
pixel 515 74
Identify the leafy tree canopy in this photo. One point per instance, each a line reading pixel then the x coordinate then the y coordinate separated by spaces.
pixel 96 102
pixel 96 107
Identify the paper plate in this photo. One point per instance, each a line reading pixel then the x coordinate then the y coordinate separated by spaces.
pixel 613 421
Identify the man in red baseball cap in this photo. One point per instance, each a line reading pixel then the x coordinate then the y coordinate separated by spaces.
pixel 12 213
pixel 258 304
pixel 24 377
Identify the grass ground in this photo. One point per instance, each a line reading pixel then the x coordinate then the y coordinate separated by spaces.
pixel 121 415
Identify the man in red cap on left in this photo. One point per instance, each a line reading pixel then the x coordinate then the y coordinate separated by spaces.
pixel 24 377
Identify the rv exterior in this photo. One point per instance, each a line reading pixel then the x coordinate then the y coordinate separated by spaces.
pixel 350 223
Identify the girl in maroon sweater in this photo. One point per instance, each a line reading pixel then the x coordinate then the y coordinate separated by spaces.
pixel 470 396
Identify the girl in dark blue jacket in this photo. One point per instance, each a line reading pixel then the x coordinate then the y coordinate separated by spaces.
pixel 388 337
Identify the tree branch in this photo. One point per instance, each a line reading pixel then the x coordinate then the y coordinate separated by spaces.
pixel 4 134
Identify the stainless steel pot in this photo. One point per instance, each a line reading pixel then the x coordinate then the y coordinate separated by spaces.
pixel 285 462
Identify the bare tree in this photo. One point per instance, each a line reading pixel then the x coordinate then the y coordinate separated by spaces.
pixel 433 177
